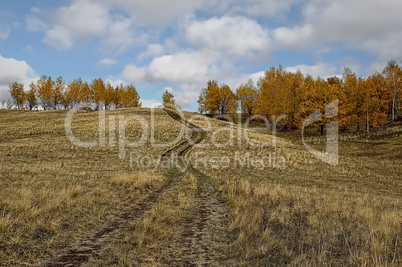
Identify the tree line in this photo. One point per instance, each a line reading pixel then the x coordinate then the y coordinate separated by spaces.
pixel 361 101
pixel 56 94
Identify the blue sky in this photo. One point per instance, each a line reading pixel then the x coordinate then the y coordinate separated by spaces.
pixel 179 45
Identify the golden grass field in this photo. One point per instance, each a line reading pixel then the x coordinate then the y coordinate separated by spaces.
pixel 306 212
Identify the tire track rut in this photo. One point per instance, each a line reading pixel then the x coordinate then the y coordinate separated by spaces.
pixel 88 245
pixel 203 239
pixel 197 135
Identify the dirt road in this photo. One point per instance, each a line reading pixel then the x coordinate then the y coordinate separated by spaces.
pixel 201 238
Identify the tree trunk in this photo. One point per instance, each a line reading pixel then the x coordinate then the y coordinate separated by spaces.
pixel 322 128
pixel 368 123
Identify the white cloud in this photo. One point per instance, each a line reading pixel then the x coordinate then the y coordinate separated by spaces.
pixel 266 7
pixel 120 35
pixel 80 21
pixel 167 88
pixel 59 38
pixel 190 71
pixel 185 67
pixel 148 103
pixel 181 67
pixel 354 21
pixel 158 12
pixel 234 82
pixel 377 66
pixel 107 62
pixel 84 18
pixel 152 50
pixel 134 74
pixel 12 70
pixel 35 24
pixel 115 82
pixel 293 37
pixel 233 36
pixel 319 70
pixel 225 38
pixel 370 26
pixel 188 94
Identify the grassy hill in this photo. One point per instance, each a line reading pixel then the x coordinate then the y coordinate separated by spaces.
pixel 63 203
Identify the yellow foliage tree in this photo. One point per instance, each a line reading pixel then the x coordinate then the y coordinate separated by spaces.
pixel 393 81
pixel 168 100
pixel 85 95
pixel 98 89
pixel 18 94
pixel 132 96
pixel 248 97
pixel 217 100
pixel 45 92
pixel 32 100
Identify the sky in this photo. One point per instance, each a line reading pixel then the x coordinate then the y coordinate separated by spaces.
pixel 179 45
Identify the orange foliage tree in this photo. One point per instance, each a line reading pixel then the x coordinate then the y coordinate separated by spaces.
pixel 168 100
pixel 217 100
pixel 18 94
pixel 31 99
pixel 248 97
pixel 45 92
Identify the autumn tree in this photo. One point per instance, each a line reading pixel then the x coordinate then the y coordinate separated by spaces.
pixel 98 89
pixel 337 85
pixel 248 97
pixel 18 94
pixel 293 97
pixel 72 92
pixel 308 103
pixel 119 96
pixel 168 100
pixel 31 98
pixel 377 101
pixel 132 96
pixel 58 92
pixel 356 100
pixel 393 75
pixel 217 100
pixel 275 93
pixel 127 96
pixel 317 95
pixel 109 98
pixel 45 92
pixel 86 95
pixel 208 101
pixel 51 94
pixel 227 100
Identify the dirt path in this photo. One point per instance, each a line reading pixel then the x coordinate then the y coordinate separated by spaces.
pixel 197 135
pixel 203 238
pixel 87 245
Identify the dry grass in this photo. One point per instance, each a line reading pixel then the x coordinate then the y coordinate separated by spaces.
pixel 308 213
pixel 53 192
pixel 147 242
pixel 139 180
pixel 311 213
